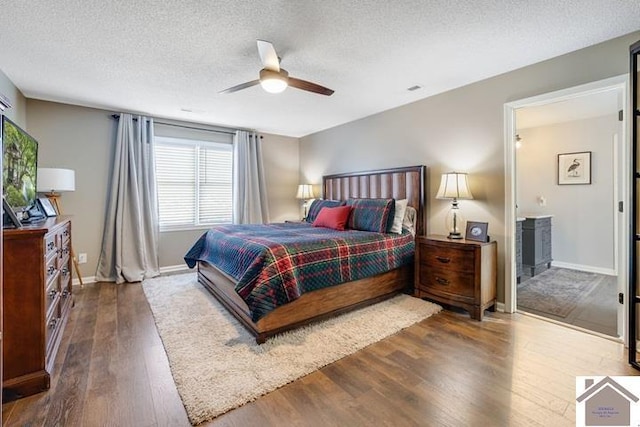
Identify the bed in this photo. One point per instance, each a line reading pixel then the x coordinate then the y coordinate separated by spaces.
pixel 398 183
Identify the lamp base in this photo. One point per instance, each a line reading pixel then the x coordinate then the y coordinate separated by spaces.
pixel 456 236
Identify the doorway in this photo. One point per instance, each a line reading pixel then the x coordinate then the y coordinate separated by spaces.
pixel 587 233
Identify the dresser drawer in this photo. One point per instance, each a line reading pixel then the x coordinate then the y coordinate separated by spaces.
pixel 447 258
pixel 50 246
pixel 65 234
pixel 51 296
pixel 446 282
pixel 52 325
pixel 50 270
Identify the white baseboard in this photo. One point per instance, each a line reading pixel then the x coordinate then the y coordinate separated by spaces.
pixel 587 268
pixel 163 270
pixel 85 280
pixel 173 268
pixel 500 307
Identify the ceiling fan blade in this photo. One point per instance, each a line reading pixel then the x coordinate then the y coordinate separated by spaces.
pixel 268 55
pixel 310 87
pixel 240 86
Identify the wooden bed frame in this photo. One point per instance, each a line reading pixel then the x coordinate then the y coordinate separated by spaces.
pixel 399 183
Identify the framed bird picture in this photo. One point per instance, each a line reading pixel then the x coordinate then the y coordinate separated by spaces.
pixel 574 168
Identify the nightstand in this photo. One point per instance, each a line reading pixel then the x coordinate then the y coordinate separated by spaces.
pixel 460 273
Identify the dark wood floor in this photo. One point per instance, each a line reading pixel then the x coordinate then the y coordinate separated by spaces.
pixel 446 370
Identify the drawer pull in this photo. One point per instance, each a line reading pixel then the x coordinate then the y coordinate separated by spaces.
pixel 51 270
pixel 53 323
pixel 442 281
pixel 52 294
pixel 65 293
pixel 65 271
pixel 65 233
pixel 443 259
pixel 50 246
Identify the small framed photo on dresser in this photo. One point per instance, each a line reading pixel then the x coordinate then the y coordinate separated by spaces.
pixel 9 218
pixel 46 207
pixel 477 231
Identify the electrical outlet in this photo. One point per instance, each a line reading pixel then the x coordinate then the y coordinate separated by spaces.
pixel 82 258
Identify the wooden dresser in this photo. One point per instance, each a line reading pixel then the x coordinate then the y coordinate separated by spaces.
pixel 37 302
pixel 460 273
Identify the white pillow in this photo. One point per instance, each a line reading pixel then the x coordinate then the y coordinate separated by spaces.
pixel 401 207
pixel 410 220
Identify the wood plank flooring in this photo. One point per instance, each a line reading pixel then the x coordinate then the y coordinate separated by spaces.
pixel 447 370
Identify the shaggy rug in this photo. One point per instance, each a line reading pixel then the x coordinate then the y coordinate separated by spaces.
pixel 556 291
pixel 217 365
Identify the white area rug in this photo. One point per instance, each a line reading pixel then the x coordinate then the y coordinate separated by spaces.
pixel 216 363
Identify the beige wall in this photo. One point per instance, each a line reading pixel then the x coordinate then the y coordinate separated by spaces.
pixel 458 130
pixel 82 138
pixel 583 215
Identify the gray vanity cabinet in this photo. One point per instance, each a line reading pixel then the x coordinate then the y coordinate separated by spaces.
pixel 519 249
pixel 536 244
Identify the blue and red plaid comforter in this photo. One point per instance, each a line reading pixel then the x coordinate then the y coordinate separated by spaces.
pixel 276 263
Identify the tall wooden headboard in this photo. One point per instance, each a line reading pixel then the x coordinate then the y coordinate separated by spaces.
pixel 398 183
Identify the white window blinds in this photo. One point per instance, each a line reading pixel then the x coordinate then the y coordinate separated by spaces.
pixel 194 180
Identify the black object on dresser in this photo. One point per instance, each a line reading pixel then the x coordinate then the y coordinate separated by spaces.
pixel 37 301
pixel 460 273
pixel 536 244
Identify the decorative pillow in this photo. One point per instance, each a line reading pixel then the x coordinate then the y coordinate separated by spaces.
pixel 371 214
pixel 398 216
pixel 318 204
pixel 335 218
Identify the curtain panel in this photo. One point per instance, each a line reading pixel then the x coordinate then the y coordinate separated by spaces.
pixel 130 237
pixel 249 188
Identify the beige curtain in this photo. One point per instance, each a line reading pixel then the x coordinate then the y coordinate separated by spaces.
pixel 249 187
pixel 130 238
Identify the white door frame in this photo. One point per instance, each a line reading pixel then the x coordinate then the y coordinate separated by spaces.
pixel 620 83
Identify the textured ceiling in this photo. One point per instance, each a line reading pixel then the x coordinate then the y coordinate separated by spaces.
pixel 164 57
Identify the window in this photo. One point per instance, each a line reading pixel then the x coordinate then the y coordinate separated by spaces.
pixel 194 180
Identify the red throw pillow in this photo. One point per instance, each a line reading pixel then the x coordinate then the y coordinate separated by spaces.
pixel 335 218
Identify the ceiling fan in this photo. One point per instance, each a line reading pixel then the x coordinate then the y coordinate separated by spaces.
pixel 274 79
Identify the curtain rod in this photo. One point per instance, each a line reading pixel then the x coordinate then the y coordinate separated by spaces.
pixel 117 116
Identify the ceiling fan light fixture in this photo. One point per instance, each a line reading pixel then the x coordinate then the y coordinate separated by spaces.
pixel 274 81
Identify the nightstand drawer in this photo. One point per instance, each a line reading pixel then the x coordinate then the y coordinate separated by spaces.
pixel 442 257
pixel 445 282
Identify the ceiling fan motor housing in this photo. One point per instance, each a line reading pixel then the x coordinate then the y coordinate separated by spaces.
pixel 266 74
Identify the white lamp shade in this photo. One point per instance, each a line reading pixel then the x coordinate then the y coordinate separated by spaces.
pixel 53 180
pixel 305 192
pixel 454 185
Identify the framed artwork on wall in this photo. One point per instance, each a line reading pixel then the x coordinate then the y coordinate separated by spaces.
pixel 574 168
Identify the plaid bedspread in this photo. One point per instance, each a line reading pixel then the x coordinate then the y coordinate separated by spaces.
pixel 276 263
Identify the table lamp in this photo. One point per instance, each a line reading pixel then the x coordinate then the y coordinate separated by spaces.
pixel 305 192
pixel 454 186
